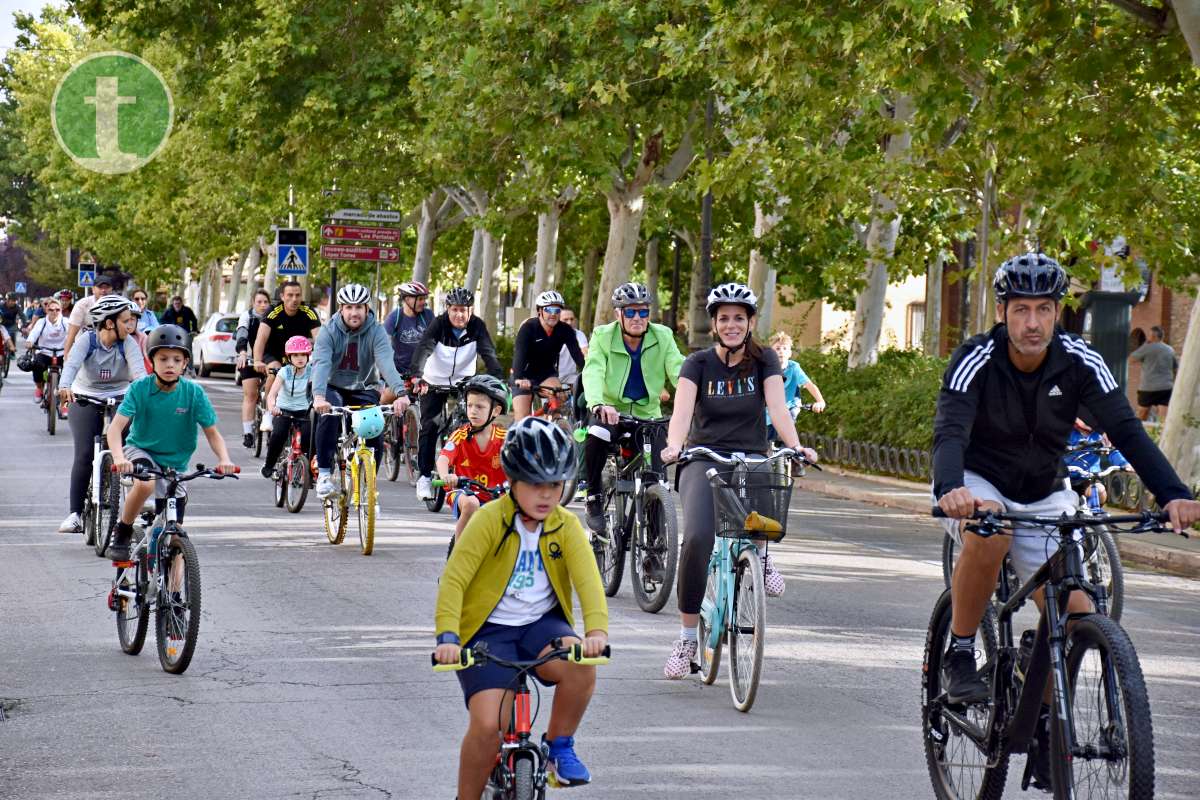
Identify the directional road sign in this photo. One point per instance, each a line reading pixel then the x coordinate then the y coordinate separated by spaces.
pixel 361 233
pixel 347 252
pixel 20 287
pixel 87 274
pixel 291 248
pixel 361 215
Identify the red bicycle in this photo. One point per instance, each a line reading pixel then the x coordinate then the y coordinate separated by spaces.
pixel 294 471
pixel 400 442
pixel 520 770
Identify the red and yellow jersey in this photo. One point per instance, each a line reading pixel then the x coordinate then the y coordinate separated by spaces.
pixel 468 461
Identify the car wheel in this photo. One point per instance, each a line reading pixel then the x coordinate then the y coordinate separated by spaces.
pixel 202 366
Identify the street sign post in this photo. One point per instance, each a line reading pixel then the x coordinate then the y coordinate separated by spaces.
pixel 347 252
pixel 362 215
pixel 87 274
pixel 21 288
pixel 291 248
pixel 361 233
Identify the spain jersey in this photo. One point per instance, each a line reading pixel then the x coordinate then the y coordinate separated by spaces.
pixel 468 461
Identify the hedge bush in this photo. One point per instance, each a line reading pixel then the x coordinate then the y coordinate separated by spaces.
pixel 889 403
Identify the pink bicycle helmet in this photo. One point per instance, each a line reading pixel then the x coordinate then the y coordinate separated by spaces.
pixel 298 344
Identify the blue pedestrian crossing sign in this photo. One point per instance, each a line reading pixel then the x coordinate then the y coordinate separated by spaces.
pixel 87 274
pixel 291 248
pixel 20 287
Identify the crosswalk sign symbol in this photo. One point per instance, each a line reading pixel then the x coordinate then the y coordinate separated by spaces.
pixel 87 278
pixel 291 262
pixel 291 245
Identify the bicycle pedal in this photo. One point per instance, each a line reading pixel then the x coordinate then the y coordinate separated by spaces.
pixel 124 564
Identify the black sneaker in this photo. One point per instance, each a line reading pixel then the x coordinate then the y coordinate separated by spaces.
pixel 118 548
pixel 248 440
pixel 1037 766
pixel 965 684
pixel 595 513
pixel 267 472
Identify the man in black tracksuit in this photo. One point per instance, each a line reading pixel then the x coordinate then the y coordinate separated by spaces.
pixel 445 356
pixel 1008 402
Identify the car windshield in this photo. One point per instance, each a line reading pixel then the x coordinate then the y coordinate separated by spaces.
pixel 227 325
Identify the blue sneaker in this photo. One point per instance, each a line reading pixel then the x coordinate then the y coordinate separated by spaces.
pixel 564 766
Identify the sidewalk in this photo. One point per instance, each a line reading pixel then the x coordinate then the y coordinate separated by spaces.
pixel 1165 552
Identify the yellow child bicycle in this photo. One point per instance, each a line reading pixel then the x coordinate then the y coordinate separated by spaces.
pixel 355 475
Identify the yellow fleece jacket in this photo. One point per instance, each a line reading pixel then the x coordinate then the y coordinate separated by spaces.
pixel 482 564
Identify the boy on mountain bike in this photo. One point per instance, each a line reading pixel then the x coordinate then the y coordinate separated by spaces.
pixel 473 451
pixel 164 410
pixel 291 395
pixel 508 583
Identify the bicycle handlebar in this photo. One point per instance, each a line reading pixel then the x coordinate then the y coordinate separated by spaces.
pixel 992 522
pixel 471 483
pixel 143 473
pixel 1104 473
pixel 470 657
pixel 699 452
pixel 386 410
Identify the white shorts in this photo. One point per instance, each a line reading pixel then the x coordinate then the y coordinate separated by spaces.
pixel 1031 546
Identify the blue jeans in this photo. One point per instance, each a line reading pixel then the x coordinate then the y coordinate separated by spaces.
pixel 329 426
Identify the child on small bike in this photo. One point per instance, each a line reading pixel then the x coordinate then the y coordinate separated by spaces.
pixel 508 583
pixel 473 451
pixel 164 410
pixel 794 379
pixel 290 396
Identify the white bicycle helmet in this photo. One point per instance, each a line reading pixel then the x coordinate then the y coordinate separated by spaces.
pixel 550 298
pixel 109 307
pixel 414 289
pixel 353 294
pixel 735 294
pixel 630 294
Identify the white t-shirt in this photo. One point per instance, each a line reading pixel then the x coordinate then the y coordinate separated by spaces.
pixel 529 595
pixel 79 312
pixel 567 371
pixel 49 336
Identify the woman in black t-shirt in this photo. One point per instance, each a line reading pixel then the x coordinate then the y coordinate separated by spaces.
pixel 719 404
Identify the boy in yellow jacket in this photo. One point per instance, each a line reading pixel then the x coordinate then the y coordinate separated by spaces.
pixel 508 582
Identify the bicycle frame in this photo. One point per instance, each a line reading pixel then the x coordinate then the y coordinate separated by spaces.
pixel 100 443
pixel 634 472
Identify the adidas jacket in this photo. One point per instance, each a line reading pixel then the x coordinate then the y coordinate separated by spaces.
pixel 444 358
pixel 981 425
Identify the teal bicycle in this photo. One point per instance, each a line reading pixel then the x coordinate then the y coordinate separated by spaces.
pixel 751 495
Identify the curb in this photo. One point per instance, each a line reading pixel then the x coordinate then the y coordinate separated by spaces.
pixel 1183 563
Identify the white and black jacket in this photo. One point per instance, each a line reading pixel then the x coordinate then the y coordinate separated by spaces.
pixel 981 423
pixel 443 358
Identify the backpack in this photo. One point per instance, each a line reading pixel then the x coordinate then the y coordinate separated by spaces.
pixel 93 343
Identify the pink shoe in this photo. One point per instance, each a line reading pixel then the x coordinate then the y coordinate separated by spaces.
pixel 679 664
pixel 37 395
pixel 772 578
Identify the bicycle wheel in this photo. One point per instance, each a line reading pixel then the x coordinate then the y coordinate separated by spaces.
pixel 569 487
pixel 710 660
pixel 747 630
pixel 410 437
pixel 88 516
pixel 653 554
pixel 1114 734
pixel 133 614
pixel 258 433
pixel 336 512
pixel 523 788
pixel 1104 569
pixel 366 504
pixel 51 402
pixel 298 477
pixel 958 766
pixel 177 618
pixel 107 505
pixel 280 486
pixel 390 466
pixel 949 557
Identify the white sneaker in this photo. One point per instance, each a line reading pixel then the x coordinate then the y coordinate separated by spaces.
pixel 267 423
pixel 326 486
pixel 424 488
pixel 72 524
pixel 773 580
pixel 679 663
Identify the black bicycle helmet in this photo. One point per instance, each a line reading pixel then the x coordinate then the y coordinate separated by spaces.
pixel 538 451
pixel 630 294
pixel 1030 275
pixel 460 296
pixel 170 337
pixel 489 385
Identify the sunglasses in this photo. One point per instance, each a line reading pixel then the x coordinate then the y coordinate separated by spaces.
pixel 552 309
pixel 630 313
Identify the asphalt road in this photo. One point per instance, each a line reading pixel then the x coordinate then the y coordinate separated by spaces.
pixel 311 677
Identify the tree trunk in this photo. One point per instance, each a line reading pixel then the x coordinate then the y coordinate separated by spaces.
pixel 475 262
pixel 766 305
pixel 216 279
pixel 527 267
pixel 652 278
pixel 587 302
pixel 1187 15
pixel 625 212
pixel 1180 440
pixel 426 235
pixel 560 272
pixel 881 246
pixel 931 338
pixel 547 247
pixel 487 301
pixel 699 329
pixel 235 283
pixel 269 276
pixel 757 274
pixel 983 283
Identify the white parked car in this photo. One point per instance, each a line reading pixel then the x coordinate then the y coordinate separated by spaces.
pixel 214 346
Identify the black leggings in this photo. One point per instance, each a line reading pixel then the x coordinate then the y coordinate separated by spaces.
pixel 281 434
pixel 600 441
pixel 699 533
pixel 86 423
pixel 433 403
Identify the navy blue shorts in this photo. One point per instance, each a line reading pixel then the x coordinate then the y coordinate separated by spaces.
pixel 515 643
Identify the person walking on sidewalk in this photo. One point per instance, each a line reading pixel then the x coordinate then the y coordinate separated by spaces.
pixel 1159 365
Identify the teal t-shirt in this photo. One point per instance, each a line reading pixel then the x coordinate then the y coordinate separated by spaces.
pixel 164 423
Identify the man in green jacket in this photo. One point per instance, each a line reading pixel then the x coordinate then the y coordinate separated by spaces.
pixel 628 365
